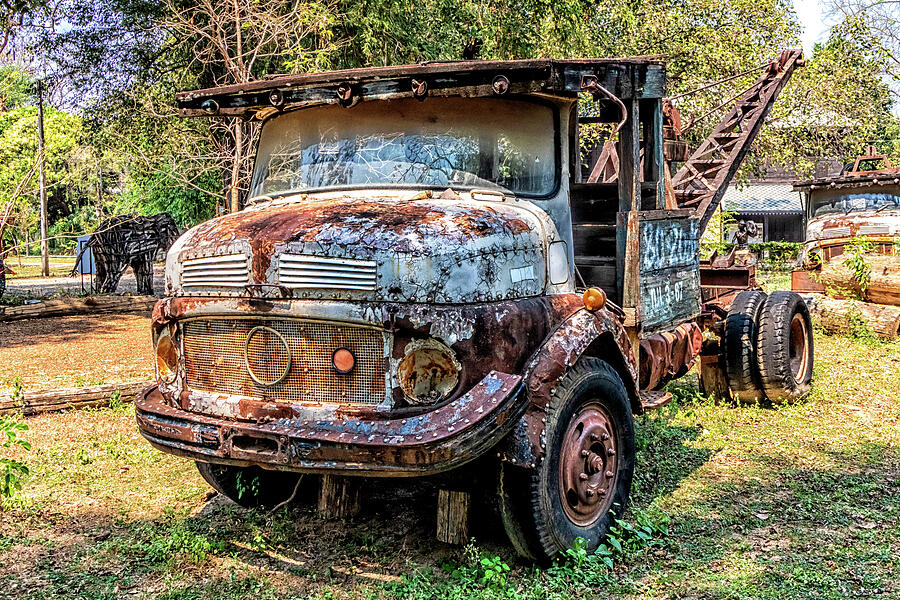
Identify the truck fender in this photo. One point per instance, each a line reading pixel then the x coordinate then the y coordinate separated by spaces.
pixel 584 333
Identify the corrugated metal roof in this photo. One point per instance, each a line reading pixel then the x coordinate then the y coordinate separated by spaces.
pixel 762 197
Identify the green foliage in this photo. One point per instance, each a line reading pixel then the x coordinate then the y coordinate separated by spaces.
pixel 833 106
pixel 13 472
pixel 859 329
pixel 246 485
pixel 16 87
pixel 115 401
pixel 855 260
pixel 493 571
pixel 155 192
pixel 176 540
pixel 624 541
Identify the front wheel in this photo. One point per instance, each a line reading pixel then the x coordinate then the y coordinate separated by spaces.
pixel 250 486
pixel 584 479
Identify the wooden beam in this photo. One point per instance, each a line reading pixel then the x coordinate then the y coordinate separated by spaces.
pixel 32 403
pixel 338 497
pixel 453 517
pixel 78 306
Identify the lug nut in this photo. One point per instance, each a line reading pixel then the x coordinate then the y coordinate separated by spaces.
pixel 609 474
pixel 582 476
pixel 604 437
pixel 584 453
pixel 611 452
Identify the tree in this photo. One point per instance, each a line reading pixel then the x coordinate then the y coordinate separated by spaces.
pixel 881 20
pixel 136 53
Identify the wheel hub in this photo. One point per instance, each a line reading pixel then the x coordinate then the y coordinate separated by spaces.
pixel 587 475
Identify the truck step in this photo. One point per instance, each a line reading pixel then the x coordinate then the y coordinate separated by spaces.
pixel 654 399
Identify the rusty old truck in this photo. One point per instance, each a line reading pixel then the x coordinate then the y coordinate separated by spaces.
pixel 427 282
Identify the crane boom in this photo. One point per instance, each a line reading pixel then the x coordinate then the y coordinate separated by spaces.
pixel 701 182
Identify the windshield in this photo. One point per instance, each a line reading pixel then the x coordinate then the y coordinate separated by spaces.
pixel 440 142
pixel 848 203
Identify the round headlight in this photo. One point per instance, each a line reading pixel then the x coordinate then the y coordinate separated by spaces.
pixel 428 372
pixel 166 357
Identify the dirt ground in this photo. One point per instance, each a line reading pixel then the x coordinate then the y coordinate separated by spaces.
pixel 774 503
pixel 73 351
pixel 26 283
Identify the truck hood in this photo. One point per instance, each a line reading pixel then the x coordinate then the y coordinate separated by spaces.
pixel 374 248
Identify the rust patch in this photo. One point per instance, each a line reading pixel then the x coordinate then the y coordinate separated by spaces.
pixel 383 224
pixel 669 355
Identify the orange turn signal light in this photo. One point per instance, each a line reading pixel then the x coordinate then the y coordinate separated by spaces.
pixel 594 298
pixel 343 360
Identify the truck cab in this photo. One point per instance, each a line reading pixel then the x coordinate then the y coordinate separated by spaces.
pixel 427 280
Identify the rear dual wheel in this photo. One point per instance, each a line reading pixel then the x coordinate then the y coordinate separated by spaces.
pixel 582 483
pixel 768 346
pixel 785 343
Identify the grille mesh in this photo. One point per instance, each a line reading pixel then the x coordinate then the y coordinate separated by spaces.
pixel 214 353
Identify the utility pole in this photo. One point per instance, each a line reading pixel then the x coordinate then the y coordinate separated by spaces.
pixel 42 175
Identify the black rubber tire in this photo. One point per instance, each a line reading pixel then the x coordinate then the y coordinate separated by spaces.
pixel 538 526
pixel 778 352
pixel 741 327
pixel 250 487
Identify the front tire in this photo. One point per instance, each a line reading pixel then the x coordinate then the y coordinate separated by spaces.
pixel 584 479
pixel 250 487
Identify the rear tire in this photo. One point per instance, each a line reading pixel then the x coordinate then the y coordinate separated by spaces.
pixel 250 487
pixel 741 327
pixel 582 483
pixel 785 347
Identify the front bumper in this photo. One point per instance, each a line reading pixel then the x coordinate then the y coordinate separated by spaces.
pixel 433 442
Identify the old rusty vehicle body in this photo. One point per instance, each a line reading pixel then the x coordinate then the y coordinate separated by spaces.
pixel 863 202
pixel 425 281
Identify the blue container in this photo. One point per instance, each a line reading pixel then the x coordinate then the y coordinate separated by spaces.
pixel 85 265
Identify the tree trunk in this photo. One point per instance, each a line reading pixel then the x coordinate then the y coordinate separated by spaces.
pixel 884 278
pixel 235 195
pixel 837 315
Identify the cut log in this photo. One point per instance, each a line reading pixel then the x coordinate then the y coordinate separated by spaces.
pixel 77 306
pixel 453 517
pixel 835 315
pixel 884 278
pixel 338 497
pixel 66 398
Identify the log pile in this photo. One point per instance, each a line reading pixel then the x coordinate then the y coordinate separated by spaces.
pixel 63 399
pixel 840 308
pixel 842 315
pixel 884 279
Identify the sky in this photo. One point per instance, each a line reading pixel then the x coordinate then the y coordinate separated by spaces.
pixel 812 16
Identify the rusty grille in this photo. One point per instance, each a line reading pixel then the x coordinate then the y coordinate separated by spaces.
pixel 216 355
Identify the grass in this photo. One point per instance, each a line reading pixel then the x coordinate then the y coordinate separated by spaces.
pixel 796 501
pixel 60 266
